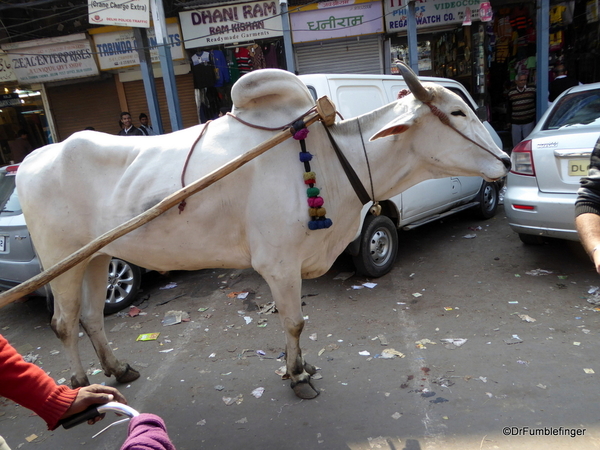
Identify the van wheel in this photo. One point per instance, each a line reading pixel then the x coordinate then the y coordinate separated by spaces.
pixel 378 247
pixel 488 201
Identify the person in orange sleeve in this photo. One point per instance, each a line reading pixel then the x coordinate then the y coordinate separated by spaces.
pixel 29 386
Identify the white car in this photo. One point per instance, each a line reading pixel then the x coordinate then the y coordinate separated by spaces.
pixel 376 245
pixel 547 166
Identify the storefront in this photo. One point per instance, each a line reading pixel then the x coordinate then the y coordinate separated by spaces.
pixel 27 69
pixel 116 50
pixel 226 41
pixel 338 37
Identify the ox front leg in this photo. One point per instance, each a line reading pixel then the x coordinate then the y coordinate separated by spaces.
pixel 286 293
pixel 92 320
pixel 65 321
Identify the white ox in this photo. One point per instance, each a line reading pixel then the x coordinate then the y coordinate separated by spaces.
pixel 74 191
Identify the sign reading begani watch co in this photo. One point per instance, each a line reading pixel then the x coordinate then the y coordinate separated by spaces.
pixel 205 27
pixel 52 59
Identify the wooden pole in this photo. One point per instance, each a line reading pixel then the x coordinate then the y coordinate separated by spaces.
pixel 174 199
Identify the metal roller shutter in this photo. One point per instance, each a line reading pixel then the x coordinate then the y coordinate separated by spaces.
pixel 136 100
pixel 77 106
pixel 350 55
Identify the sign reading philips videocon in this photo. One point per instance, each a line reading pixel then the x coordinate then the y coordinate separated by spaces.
pixel 335 19
pixel 429 13
pixel 124 13
pixel 205 27
pixel 52 59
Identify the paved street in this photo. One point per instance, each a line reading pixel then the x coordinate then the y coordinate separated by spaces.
pixel 529 362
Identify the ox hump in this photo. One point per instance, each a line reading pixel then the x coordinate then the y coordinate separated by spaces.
pixel 271 95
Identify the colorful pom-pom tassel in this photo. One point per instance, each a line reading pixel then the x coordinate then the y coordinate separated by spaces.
pixel 315 202
pixel 309 176
pixel 301 134
pixel 312 192
pixel 305 157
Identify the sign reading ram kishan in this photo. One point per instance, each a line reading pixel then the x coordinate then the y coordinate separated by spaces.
pixel 205 27
pixel 123 13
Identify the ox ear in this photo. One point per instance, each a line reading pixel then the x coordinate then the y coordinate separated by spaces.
pixel 397 126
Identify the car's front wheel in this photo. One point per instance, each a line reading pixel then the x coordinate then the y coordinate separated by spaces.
pixel 123 284
pixel 378 247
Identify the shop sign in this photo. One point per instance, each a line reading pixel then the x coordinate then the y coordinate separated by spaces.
pixel 116 47
pixel 205 27
pixel 52 59
pixel 6 72
pixel 9 100
pixel 335 19
pixel 429 13
pixel 124 13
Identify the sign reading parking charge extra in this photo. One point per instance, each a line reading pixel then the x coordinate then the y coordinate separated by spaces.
pixel 124 13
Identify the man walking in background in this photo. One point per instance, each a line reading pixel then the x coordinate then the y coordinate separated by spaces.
pixel 521 100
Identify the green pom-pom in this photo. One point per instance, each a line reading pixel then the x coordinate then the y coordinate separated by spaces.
pixel 312 192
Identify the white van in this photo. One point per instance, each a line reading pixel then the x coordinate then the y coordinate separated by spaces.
pixel 376 245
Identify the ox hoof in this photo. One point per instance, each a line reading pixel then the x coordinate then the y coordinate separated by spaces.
pixel 129 375
pixel 310 369
pixel 76 383
pixel 304 390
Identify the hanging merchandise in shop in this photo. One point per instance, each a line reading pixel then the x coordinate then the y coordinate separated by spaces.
pixel 54 59
pixel 226 42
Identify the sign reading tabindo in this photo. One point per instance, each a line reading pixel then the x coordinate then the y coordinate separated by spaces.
pixel 124 13
pixel 429 13
pixel 52 59
pixel 204 27
pixel 115 47
pixel 335 19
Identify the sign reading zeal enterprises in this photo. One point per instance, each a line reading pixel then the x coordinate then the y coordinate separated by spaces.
pixel 429 13
pixel 116 46
pixel 335 19
pixel 205 27
pixel 52 59
pixel 124 13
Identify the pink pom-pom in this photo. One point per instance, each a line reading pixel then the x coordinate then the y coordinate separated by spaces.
pixel 315 202
pixel 301 134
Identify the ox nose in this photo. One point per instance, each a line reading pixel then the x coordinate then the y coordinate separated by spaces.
pixel 506 162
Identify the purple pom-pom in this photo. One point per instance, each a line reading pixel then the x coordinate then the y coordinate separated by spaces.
pixel 305 157
pixel 301 134
pixel 327 223
pixel 313 224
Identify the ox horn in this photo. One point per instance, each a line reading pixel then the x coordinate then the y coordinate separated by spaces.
pixel 414 84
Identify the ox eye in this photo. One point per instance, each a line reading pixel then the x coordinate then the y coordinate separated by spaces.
pixel 458 113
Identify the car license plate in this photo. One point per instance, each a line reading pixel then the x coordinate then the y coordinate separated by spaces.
pixel 2 246
pixel 578 167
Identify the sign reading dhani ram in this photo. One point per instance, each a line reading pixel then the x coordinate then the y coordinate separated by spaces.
pixel 205 27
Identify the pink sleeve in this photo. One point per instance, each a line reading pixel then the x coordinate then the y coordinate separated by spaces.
pixel 147 432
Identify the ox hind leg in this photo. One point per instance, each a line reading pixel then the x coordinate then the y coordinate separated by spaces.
pixel 92 320
pixel 286 292
pixel 65 321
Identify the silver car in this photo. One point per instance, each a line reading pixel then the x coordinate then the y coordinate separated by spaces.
pixel 547 166
pixel 19 262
